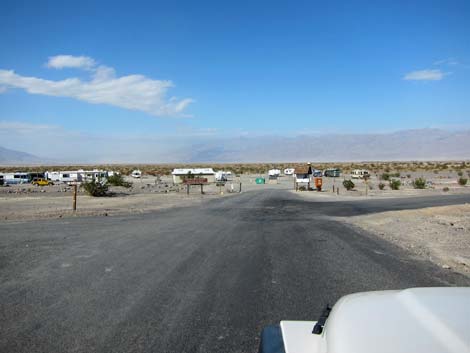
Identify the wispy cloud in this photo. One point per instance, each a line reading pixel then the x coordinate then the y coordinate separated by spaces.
pixel 134 92
pixel 64 61
pixel 425 75
pixel 448 61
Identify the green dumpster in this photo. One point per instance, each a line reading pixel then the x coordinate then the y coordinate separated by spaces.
pixel 260 180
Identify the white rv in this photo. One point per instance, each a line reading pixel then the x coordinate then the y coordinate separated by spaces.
pixel 70 176
pixel 16 178
pixel 136 174
pixel 289 171
pixel 360 174
pixel 52 176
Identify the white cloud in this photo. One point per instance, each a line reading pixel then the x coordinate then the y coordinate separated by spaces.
pixel 134 92
pixel 425 75
pixel 448 61
pixel 62 61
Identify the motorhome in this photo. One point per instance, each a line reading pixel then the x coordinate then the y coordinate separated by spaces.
pixel 360 174
pixel 16 178
pixel 332 172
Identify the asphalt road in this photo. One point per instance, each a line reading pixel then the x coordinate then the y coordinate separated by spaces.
pixel 203 279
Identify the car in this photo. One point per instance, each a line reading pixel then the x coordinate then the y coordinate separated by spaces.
pixel 418 320
pixel 41 182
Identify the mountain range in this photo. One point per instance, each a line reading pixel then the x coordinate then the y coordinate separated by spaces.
pixel 421 144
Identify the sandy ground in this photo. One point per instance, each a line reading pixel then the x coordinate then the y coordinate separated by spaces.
pixel 28 202
pixel 439 234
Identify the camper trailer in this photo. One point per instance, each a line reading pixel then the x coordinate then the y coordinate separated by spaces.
pixel 360 174
pixel 89 175
pixel 289 171
pixel 53 176
pixel 136 174
pixel 70 176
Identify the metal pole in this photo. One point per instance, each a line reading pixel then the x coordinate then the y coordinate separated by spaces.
pixel 240 186
pixel 187 189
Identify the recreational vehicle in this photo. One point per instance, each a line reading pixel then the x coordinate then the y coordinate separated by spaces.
pixel 136 174
pixel 70 176
pixel 53 176
pixel 360 174
pixel 89 175
pixel 289 171
pixel 16 178
pixel 332 172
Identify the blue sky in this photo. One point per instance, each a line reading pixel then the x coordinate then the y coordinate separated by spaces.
pixel 230 68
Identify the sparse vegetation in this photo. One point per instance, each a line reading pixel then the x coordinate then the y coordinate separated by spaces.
pixel 302 188
pixel 419 183
pixel 348 184
pixel 96 188
pixel 460 173
pixel 385 176
pixel 118 180
pixel 395 184
pixel 381 186
pixel 463 181
pixel 445 189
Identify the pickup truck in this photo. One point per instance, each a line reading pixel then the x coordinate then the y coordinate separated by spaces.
pixel 416 320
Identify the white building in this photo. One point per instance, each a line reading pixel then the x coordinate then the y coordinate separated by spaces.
pixel 180 174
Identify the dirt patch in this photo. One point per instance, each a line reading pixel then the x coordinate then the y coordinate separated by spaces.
pixel 439 234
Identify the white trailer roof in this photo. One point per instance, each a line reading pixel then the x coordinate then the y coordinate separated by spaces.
pixel 185 171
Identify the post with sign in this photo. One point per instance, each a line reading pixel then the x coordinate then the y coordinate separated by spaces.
pixel 74 205
pixel 195 181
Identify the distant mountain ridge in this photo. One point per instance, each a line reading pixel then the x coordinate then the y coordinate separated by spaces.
pixel 423 144
pixel 420 144
pixel 11 157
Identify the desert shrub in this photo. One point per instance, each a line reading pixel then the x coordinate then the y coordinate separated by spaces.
pixel 385 176
pixel 408 176
pixel 459 173
pixel 396 175
pixel 118 180
pixel 96 188
pixel 445 189
pixel 348 184
pixel 419 183
pixel 436 172
pixel 463 181
pixel 395 184
pixel 381 186
pixel 302 188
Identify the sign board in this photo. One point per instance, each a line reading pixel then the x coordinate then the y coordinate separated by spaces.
pixel 195 181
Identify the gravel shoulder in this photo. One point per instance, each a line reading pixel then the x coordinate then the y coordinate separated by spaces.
pixel 439 234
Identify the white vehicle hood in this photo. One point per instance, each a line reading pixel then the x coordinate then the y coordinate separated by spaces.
pixel 418 320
